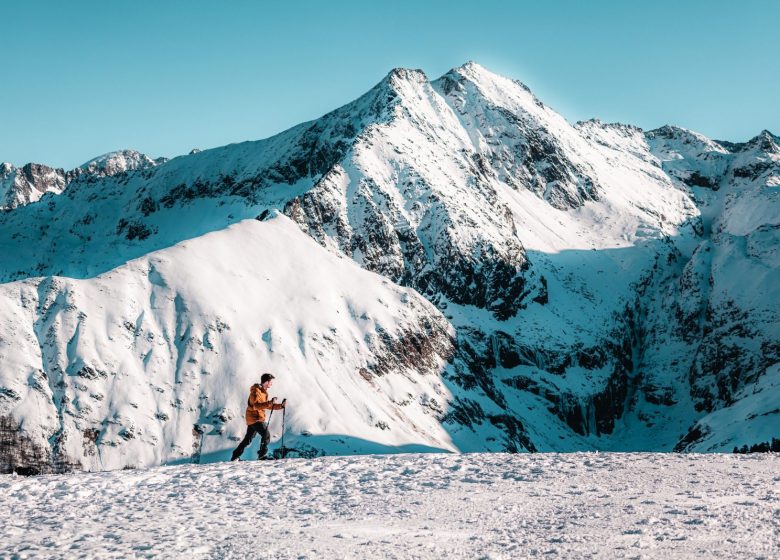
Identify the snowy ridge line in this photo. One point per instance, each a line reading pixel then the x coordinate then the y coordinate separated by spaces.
pixel 25 185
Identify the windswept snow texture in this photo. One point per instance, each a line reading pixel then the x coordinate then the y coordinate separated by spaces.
pixel 406 506
pixel 588 286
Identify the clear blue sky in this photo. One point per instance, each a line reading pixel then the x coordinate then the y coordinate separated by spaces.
pixel 80 78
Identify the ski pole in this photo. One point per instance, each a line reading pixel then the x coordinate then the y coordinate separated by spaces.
pixel 284 413
pixel 270 415
pixel 268 425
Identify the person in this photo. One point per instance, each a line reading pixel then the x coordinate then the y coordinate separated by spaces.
pixel 256 406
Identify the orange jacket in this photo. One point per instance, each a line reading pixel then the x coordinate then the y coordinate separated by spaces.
pixel 257 404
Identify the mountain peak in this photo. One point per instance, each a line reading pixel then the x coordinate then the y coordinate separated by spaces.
pixel 680 136
pixel 670 131
pixel 764 141
pixel 478 74
pixel 471 66
pixel 398 83
pixel 119 161
pixel 609 125
pixel 398 77
pixel 491 85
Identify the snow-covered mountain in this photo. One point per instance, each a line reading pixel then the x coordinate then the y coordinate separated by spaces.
pixel 144 358
pixel 594 286
pixel 20 186
pixel 727 298
pixel 120 161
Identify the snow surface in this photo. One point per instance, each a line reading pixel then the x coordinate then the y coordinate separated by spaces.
pixel 406 506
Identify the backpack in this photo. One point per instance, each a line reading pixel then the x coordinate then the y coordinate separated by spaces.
pixel 250 392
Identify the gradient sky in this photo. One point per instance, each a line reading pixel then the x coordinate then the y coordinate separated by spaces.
pixel 81 78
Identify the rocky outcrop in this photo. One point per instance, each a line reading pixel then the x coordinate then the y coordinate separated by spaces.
pixel 114 163
pixel 21 186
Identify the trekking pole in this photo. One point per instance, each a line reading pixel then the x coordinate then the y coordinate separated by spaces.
pixel 270 415
pixel 284 413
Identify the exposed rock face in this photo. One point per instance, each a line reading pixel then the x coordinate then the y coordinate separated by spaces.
pixel 725 298
pixel 19 186
pixel 689 157
pixel 414 205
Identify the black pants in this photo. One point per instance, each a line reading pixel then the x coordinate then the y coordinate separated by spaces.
pixel 251 430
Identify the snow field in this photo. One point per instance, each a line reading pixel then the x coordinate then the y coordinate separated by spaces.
pixel 406 506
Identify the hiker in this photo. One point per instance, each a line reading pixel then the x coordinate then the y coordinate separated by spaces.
pixel 256 406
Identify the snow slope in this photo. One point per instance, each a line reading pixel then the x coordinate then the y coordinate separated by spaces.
pixel 132 366
pixel 406 506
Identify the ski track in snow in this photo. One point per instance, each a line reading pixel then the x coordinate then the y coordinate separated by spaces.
pixel 406 506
